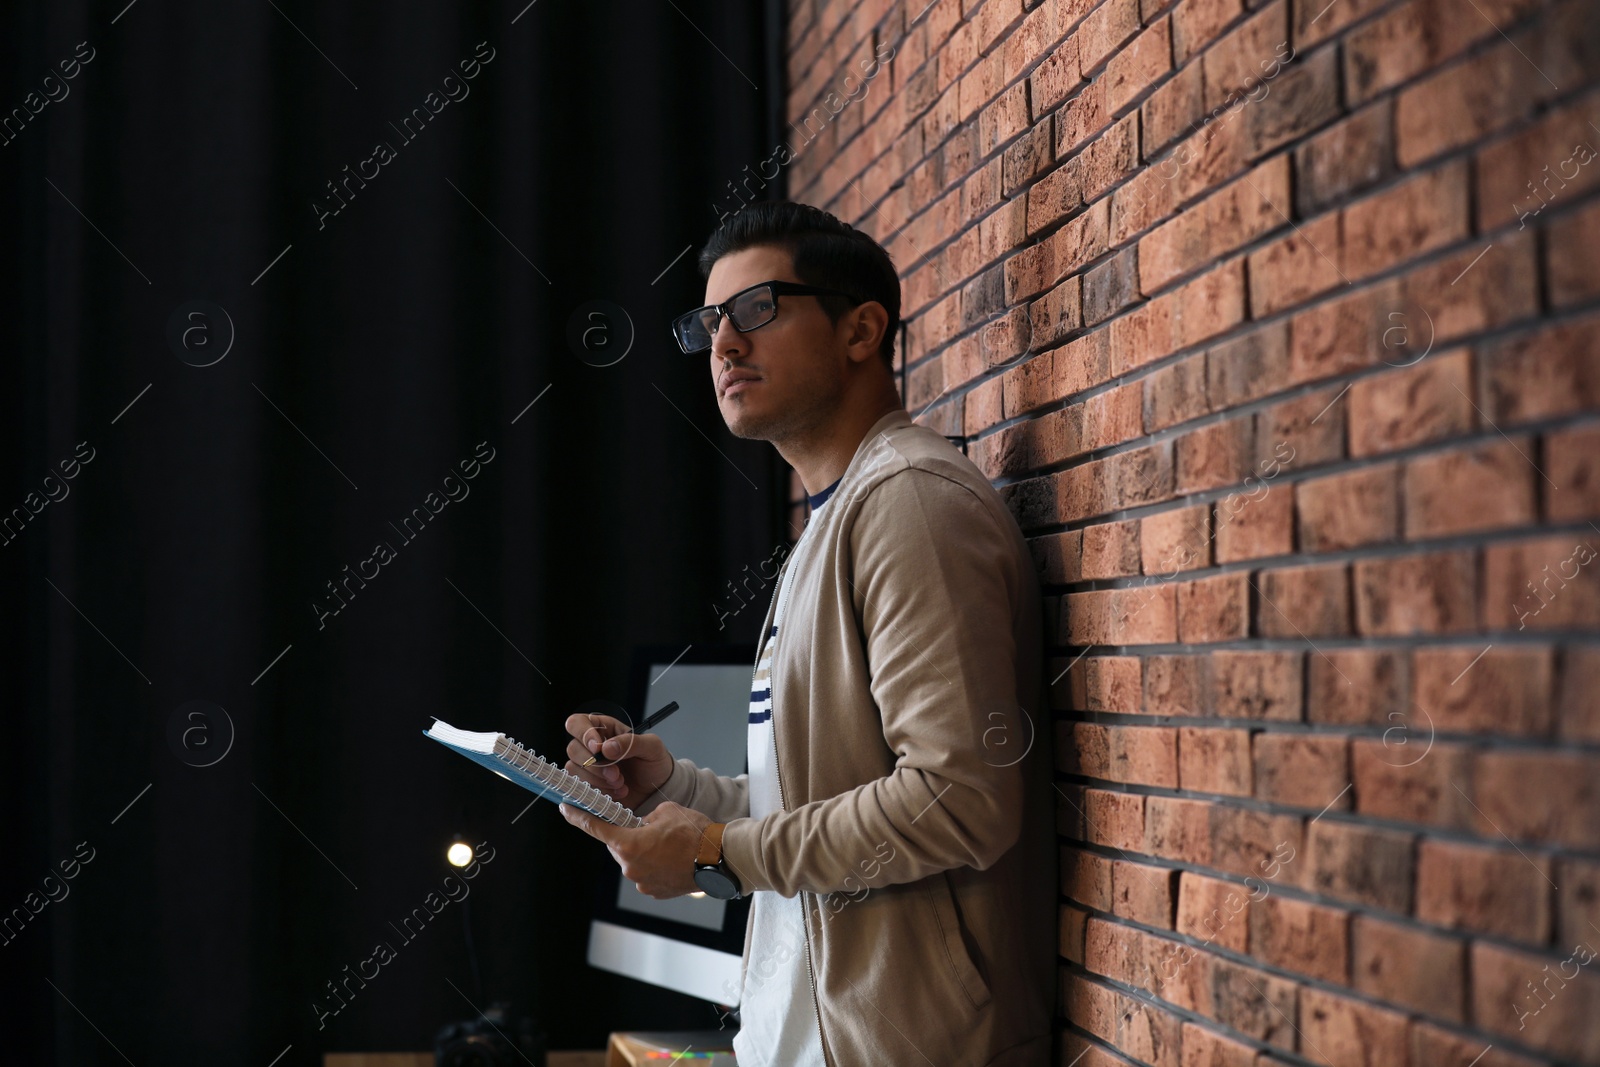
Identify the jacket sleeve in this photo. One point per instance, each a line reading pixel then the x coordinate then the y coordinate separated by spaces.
pixel 721 798
pixel 936 594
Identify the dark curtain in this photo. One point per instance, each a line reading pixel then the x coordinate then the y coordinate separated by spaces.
pixel 214 776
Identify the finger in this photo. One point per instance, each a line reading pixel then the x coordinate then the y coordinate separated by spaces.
pixel 575 817
pixel 616 790
pixel 592 729
pixel 598 829
pixel 581 755
pixel 599 773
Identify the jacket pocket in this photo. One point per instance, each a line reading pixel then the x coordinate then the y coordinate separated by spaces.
pixel 962 967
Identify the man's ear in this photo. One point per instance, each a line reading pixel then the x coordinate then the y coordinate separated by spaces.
pixel 867 324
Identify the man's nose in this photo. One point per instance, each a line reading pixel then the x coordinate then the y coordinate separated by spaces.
pixel 727 340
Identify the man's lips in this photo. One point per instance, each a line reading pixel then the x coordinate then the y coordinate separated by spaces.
pixel 734 383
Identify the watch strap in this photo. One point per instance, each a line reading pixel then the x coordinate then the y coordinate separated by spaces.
pixel 710 852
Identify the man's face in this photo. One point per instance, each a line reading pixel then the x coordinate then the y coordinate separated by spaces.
pixel 797 361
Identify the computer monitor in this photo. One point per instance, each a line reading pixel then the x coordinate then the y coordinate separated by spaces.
pixel 691 944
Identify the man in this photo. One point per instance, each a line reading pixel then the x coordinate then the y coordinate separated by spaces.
pixel 895 825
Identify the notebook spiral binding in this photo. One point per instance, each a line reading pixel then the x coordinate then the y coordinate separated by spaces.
pixel 580 793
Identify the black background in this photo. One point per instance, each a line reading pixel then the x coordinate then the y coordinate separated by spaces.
pixel 375 354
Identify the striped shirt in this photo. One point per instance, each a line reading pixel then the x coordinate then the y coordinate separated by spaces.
pixel 777 1016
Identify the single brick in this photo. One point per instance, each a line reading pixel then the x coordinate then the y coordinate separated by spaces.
pixel 1255 685
pixel 1215 455
pixel 1465 295
pixel 1423 593
pixel 1403 222
pixel 1131 616
pixel 1346 333
pixel 1144 755
pixel 1541 1001
pixel 1111 286
pixel 1354 686
pixel 1205 1048
pixel 1484 487
pixel 1254 1002
pixel 1134 68
pixel 1578 706
pixel 1050 318
pixel 1171 110
pixel 1177 829
pixel 1577 900
pixel 1142 893
pixel 1495 891
pixel 1301 770
pixel 1507 690
pixel 1545 797
pixel 1358 863
pixel 1341 1031
pixel 1411 405
pixel 1253 843
pixel 1344 159
pixel 1408 777
pixel 1572 463
pixel 1214 911
pixel 1543 583
pixel 1569 263
pixel 1541 373
pixel 1104 30
pixel 1300 432
pixel 1176 685
pixel 1111 549
pixel 1195 23
pixel 1086 878
pixel 1111 683
pixel 1413 968
pixel 1308 939
pixel 1527 174
pixel 1348 510
pixel 1214 760
pixel 1174 541
pixel 1298 266
pixel 1303 98
pixel 1304 602
pixel 1248 367
pixel 1255 524
pixel 1056 78
pixel 1432 1045
pixel 1214 609
pixel 1248 57
pixel 1072 923
pixel 1115 820
pixel 1175 393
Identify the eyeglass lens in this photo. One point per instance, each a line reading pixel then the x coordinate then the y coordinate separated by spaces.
pixel 748 310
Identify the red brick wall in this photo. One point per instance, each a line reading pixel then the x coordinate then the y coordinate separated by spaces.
pixel 1277 327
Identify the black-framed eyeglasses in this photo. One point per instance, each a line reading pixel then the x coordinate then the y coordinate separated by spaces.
pixel 747 309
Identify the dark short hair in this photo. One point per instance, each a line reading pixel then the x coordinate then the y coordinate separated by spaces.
pixel 825 252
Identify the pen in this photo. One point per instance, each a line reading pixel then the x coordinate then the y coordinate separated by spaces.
pixel 648 722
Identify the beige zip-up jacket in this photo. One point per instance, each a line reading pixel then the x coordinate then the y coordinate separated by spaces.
pixel 913 756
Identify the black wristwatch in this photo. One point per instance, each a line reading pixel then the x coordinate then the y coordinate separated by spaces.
pixel 711 871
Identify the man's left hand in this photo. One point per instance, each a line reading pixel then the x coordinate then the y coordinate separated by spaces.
pixel 658 856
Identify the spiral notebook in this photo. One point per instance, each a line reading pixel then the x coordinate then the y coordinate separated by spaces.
pixel 533 772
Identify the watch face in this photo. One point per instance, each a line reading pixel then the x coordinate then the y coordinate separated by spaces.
pixel 715 883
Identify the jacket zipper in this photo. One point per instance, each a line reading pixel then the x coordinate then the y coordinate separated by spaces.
pixel 805 912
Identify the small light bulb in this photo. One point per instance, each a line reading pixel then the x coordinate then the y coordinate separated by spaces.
pixel 459 854
pixel 698 894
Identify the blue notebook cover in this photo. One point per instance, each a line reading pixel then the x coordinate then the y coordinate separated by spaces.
pixel 513 762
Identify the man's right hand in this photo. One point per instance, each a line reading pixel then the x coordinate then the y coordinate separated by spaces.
pixel 628 767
